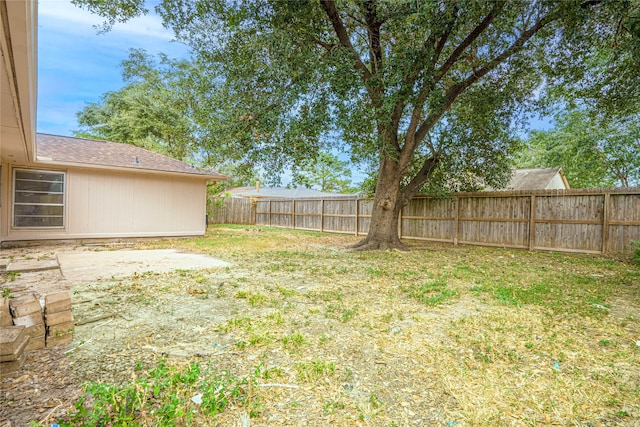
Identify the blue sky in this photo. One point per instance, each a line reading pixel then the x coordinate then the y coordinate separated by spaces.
pixel 76 65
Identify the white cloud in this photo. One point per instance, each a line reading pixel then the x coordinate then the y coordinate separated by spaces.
pixel 63 14
pixel 76 65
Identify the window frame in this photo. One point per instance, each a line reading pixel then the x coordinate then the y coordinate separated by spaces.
pixel 15 191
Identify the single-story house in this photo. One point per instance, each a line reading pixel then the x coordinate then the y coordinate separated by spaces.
pixel 56 187
pixel 538 179
pixel 258 192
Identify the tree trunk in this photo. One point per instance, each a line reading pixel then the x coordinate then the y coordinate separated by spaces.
pixel 387 205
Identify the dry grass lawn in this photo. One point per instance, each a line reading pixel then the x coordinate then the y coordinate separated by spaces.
pixel 301 331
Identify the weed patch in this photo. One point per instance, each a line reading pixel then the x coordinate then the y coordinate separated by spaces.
pixel 166 395
pixel 432 293
pixel 314 370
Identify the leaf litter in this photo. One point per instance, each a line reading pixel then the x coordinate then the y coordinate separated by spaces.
pixel 336 337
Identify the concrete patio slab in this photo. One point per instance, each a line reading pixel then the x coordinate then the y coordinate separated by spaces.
pixel 30 265
pixel 94 265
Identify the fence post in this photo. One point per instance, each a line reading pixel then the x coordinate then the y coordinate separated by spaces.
pixel 456 220
pixel 605 223
pixel 532 222
pixel 322 215
pixel 254 210
pixel 357 215
pixel 269 213
pixel 293 213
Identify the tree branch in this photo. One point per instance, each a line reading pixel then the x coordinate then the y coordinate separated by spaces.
pixel 421 177
pixel 444 37
pixel 588 3
pixel 340 30
pixel 373 28
pixel 473 35
pixel 327 46
pixel 454 91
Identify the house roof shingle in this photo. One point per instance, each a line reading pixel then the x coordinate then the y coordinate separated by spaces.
pixel 281 193
pixel 89 152
pixel 532 179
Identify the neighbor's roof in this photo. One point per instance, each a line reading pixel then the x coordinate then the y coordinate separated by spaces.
pixel 534 179
pixel 280 193
pixel 56 149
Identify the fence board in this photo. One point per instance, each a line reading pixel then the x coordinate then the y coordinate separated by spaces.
pixel 232 211
pixel 590 221
pixel 429 219
pixel 309 214
pixel 624 222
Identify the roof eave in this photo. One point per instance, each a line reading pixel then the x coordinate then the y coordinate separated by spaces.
pixel 59 164
pixel 19 46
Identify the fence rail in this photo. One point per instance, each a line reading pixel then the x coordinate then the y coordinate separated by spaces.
pixel 586 221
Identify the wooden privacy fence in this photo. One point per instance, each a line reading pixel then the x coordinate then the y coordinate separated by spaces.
pixel 587 221
pixel 227 210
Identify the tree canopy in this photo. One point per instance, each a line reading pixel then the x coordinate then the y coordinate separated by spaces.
pixel 151 111
pixel 326 173
pixel 428 91
pixel 592 152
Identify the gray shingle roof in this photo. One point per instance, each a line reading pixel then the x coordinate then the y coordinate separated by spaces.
pixel 532 179
pixel 89 152
pixel 281 193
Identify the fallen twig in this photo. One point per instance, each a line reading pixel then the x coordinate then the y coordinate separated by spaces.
pixel 279 385
pixel 49 414
pixel 78 346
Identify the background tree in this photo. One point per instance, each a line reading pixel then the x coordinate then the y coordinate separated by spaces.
pixel 593 153
pixel 150 111
pixel 326 173
pixel 423 90
pixel 176 108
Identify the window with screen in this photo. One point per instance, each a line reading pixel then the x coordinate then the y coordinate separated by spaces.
pixel 38 199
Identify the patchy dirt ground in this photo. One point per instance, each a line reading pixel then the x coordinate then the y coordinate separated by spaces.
pixel 439 336
pixel 47 386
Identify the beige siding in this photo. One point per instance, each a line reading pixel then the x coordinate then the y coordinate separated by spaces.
pixel 556 183
pixel 109 204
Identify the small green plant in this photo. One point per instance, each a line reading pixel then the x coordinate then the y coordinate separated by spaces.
pixel 6 292
pixel 327 296
pixel 324 339
pixel 286 292
pixel 330 407
pixel 340 312
pixel 255 299
pixel 374 401
pixel 432 293
pixel 294 341
pixel 348 313
pixel 10 276
pixel 375 272
pixel 387 318
pixel 267 373
pixel 314 370
pixel 636 254
pixel 164 396
pixel 276 317
pixel 258 339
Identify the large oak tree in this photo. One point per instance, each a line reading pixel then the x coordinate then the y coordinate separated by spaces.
pixel 429 90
